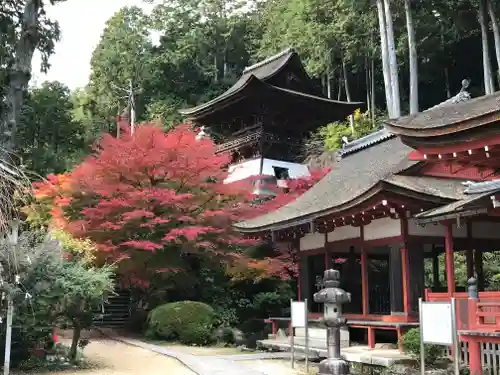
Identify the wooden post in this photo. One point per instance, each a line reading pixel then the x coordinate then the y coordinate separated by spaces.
pixel 475 366
pixel 364 276
pixel 299 279
pixel 478 260
pixel 405 274
pixel 405 267
pixel 450 266
pixel 435 267
pixel 469 255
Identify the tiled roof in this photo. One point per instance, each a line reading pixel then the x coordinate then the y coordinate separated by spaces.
pixel 261 73
pixel 349 178
pixel 447 114
pixel 261 70
pixel 361 143
pixel 470 202
pixel 482 187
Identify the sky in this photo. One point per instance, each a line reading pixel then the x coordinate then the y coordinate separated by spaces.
pixel 82 23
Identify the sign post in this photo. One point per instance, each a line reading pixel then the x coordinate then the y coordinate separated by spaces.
pixel 438 326
pixel 299 320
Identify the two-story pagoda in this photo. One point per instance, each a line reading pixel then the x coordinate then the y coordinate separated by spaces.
pixel 265 116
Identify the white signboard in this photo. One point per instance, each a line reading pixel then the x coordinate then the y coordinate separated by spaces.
pixel 299 314
pixel 436 323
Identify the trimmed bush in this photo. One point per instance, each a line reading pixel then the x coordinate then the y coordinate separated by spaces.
pixel 188 322
pixel 411 345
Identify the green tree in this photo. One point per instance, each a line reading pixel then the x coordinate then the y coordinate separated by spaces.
pixel 49 139
pixel 24 28
pixel 122 57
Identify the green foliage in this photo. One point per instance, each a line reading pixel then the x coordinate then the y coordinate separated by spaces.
pixel 82 250
pixel 49 140
pixel 51 290
pixel 333 133
pixel 411 345
pixel 189 322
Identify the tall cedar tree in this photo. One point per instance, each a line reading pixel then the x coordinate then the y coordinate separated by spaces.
pixel 154 201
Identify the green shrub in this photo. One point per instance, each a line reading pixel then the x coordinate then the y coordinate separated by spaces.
pixel 411 345
pixel 189 322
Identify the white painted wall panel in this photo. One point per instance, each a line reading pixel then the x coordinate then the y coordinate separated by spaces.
pixel 312 241
pixel 382 228
pixel 250 168
pixel 435 230
pixel 485 230
pixel 344 233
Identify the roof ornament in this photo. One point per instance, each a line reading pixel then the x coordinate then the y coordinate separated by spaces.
pixel 465 85
pixel 345 141
pixel 202 134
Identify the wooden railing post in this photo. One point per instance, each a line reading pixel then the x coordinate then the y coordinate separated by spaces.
pixel 475 366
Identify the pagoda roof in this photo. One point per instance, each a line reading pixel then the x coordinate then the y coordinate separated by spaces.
pixel 261 78
pixel 476 201
pixel 355 179
pixel 455 115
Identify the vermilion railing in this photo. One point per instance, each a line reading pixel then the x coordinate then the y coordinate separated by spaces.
pixel 482 314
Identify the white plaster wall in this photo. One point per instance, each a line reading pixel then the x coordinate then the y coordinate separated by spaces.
pixel 250 168
pixel 344 233
pixel 432 230
pixel 312 241
pixel 485 230
pixel 382 228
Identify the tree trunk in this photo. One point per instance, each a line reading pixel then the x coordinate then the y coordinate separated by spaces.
pixel 367 84
pixel 216 69
pixel 393 63
pixel 447 82
pixel 20 73
pixel 488 80
pixel 329 87
pixel 372 78
pixel 77 331
pixel 339 94
pixel 412 48
pixel 385 57
pixel 496 35
pixel 347 93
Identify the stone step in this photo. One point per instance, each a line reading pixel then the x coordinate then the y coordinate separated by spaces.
pixel 321 333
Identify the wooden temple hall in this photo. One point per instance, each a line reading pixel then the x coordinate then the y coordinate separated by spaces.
pixel 397 210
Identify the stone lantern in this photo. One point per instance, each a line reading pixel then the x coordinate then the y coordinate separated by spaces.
pixel 332 297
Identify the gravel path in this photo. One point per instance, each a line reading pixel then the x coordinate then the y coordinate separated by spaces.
pixel 120 359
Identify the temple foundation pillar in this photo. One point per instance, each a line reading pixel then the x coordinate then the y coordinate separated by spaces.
pixel 396 279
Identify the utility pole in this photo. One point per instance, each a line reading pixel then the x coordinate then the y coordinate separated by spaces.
pixel 12 238
pixel 130 96
pixel 131 103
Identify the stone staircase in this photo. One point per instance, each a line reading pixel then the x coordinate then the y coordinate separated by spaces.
pixel 116 312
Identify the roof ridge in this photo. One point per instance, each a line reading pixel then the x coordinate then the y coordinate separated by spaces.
pixel 365 142
pixel 268 60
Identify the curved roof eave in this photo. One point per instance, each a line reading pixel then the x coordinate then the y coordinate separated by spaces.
pixel 256 83
pixel 198 110
pixel 380 187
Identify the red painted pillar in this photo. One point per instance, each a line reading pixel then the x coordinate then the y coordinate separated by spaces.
pixel 364 281
pixel 405 267
pixel 364 273
pixel 475 357
pixel 405 275
pixel 298 282
pixel 450 265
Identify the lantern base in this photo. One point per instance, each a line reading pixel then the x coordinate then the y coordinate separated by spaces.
pixel 333 366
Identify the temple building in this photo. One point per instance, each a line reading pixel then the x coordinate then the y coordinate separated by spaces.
pixel 265 116
pixel 394 202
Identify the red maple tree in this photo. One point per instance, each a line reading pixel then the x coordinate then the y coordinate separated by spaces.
pixel 153 200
